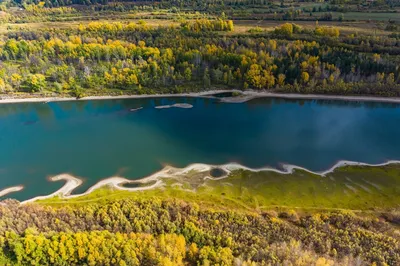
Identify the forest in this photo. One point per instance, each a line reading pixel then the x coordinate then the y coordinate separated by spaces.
pixel 173 232
pixel 136 58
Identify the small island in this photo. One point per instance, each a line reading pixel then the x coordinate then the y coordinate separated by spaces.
pixel 176 105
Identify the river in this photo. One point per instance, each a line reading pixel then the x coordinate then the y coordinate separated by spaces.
pixel 94 140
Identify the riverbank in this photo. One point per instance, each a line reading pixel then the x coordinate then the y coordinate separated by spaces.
pixel 243 97
pixel 349 185
pixel 346 186
pixel 209 93
pixel 117 182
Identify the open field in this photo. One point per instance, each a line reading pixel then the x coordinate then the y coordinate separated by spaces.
pixel 7 27
pixel 241 26
pixel 164 18
pixel 350 187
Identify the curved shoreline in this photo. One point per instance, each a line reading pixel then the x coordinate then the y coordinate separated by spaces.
pixel 245 96
pixel 170 172
pixel 113 182
pixel 65 191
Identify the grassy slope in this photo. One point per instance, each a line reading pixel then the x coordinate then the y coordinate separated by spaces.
pixel 355 188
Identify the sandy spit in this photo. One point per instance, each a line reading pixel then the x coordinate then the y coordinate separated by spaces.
pixel 10 190
pixel 70 184
pixel 177 105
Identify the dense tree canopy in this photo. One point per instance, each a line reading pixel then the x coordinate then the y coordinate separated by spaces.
pixel 165 232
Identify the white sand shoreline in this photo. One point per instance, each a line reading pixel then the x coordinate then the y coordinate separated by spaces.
pixel 169 172
pixel 5 100
pixel 246 96
pixel 115 182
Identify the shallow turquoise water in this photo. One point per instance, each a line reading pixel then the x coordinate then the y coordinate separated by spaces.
pixel 98 139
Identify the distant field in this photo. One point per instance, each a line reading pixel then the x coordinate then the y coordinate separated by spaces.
pixel 242 26
pixel 355 188
pixel 364 16
pixel 74 24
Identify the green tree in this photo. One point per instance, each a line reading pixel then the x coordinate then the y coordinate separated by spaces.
pixel 36 82
pixel 206 79
pixel 188 74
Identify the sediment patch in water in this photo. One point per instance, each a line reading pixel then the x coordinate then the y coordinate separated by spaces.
pixel 176 105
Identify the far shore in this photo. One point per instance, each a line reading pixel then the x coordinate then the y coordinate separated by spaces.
pixel 244 97
pixel 32 99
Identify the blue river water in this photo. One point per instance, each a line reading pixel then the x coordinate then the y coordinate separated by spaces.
pixel 94 140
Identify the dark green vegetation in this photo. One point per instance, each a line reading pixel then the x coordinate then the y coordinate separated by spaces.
pixel 195 221
pixel 169 232
pixel 340 10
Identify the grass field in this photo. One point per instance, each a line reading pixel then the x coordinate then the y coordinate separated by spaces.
pixel 165 18
pixel 7 27
pixel 241 26
pixel 352 187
